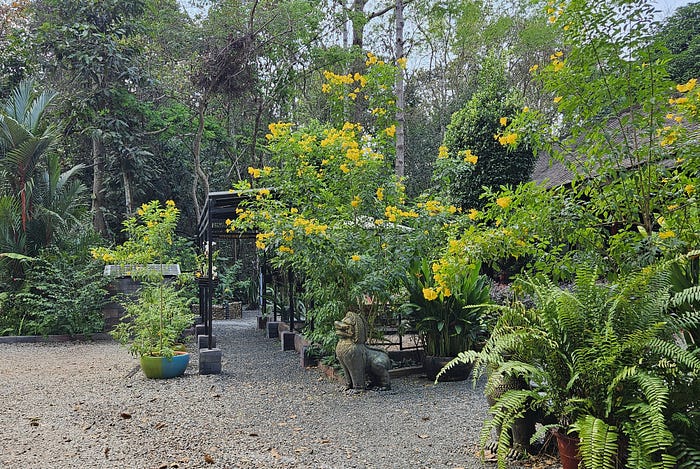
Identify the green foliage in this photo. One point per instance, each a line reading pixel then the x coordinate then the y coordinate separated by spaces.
pixel 448 321
pixel 154 323
pixel 601 358
pixel 680 33
pixel 61 294
pixel 471 133
pixel 621 132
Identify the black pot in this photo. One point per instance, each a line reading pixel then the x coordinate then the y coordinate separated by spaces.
pixel 432 366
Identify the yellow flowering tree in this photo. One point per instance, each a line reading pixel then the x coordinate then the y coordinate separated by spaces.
pixel 623 130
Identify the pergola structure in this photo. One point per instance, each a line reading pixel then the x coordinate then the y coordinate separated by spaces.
pixel 219 207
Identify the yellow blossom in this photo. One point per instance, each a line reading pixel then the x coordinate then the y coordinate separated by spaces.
pixel 429 294
pixel 687 86
pixel 503 121
pixel 344 168
pixel 667 234
pixel 401 62
pixel 442 152
pixel 355 258
pixel 534 68
pixel 508 139
pixel 503 202
pixel 170 203
pixel 672 207
pixel 557 99
pixel 255 172
pixel 286 249
pixel 469 157
pixel 689 189
pixel 355 202
pixel 390 131
pixel 473 214
pixel 380 193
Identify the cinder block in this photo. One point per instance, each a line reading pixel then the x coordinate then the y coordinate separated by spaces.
pixel 203 341
pixel 272 330
pixel 210 361
pixel 306 358
pixel 288 340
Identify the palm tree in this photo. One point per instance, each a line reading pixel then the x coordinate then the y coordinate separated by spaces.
pixel 36 198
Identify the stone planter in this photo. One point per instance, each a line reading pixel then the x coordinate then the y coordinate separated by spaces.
pixel 432 366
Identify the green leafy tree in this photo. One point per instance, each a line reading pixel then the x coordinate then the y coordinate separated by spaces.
pixel 680 33
pixel 472 159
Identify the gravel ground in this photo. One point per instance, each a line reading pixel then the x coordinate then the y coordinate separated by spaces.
pixel 71 405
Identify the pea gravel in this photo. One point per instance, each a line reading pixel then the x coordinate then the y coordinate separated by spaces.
pixel 75 405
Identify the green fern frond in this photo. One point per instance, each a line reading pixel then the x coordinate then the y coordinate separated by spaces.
pixel 687 297
pixel 598 442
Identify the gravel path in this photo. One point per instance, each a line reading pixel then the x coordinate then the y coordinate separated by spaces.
pixel 73 405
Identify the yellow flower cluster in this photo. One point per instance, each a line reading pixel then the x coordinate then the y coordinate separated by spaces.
pixel 310 226
pixel 380 193
pixel 286 249
pixel 373 60
pixel 255 172
pixel 394 214
pixel 429 294
pixel 355 202
pixel 507 139
pixel 443 152
pixel 503 121
pixel 469 157
pixel 390 131
pixel 278 129
pixel 687 86
pixel 261 239
pixel 435 207
pixel 355 258
pixel 504 202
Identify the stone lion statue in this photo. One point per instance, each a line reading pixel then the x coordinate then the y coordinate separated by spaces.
pixel 359 361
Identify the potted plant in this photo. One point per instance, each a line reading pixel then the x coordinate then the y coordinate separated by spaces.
pixel 599 358
pixel 153 324
pixel 152 329
pixel 448 320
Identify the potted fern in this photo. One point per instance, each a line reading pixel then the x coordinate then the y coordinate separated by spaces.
pixel 154 322
pixel 599 358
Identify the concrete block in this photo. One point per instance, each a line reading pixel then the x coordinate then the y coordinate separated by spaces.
pixel 210 361
pixel 272 330
pixel 199 329
pixel 203 341
pixel 288 340
pixel 300 342
pixel 306 358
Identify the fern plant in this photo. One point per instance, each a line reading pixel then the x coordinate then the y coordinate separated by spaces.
pixel 599 357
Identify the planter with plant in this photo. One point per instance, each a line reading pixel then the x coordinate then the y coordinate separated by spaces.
pixel 154 323
pixel 448 320
pixel 599 358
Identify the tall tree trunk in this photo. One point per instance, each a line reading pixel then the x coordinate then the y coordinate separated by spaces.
pixel 399 165
pixel 196 153
pixel 128 195
pixel 98 168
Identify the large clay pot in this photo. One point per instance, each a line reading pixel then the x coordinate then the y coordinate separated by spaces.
pixel 432 366
pixel 568 450
pixel 164 368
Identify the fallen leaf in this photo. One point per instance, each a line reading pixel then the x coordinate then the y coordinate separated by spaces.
pixel 161 425
pixel 163 466
pixel 125 415
pixel 107 452
pixel 425 419
pixel 208 459
pixel 253 434
pixel 275 454
pixel 325 442
pixel 423 437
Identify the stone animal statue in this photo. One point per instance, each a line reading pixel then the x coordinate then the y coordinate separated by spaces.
pixel 359 361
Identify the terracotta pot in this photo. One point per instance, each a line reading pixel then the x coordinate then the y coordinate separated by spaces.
pixel 164 368
pixel 432 366
pixel 568 450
